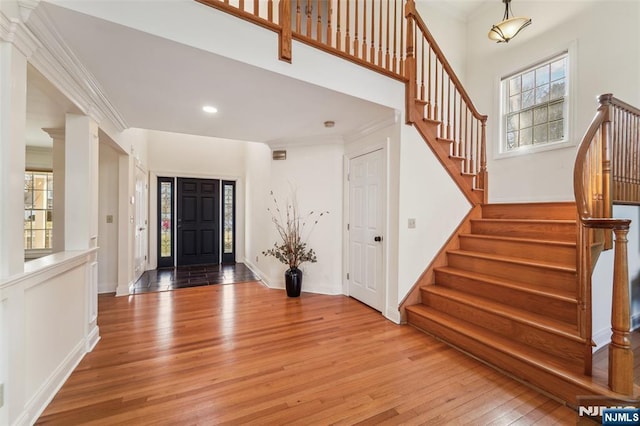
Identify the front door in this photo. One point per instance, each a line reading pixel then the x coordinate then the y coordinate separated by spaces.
pixel 198 221
pixel 366 194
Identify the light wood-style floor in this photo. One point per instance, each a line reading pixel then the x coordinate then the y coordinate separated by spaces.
pixel 243 353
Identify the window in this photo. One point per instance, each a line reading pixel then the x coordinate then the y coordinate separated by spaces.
pixel 165 222
pixel 228 221
pixel 535 105
pixel 38 210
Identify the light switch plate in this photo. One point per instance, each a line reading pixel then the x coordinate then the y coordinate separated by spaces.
pixel 412 223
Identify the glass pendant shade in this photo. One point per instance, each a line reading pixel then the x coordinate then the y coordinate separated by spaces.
pixel 509 27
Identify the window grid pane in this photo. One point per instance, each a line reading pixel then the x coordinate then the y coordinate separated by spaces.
pixel 165 216
pixel 228 219
pixel 38 210
pixel 535 105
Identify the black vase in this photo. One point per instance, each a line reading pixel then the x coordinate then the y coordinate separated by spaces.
pixel 293 281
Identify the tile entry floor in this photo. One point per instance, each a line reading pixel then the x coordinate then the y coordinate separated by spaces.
pixel 192 276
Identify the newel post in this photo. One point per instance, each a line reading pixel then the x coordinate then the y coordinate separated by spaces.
pixel 284 40
pixel 620 353
pixel 410 61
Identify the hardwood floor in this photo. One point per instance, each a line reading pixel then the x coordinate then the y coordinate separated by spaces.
pixel 243 353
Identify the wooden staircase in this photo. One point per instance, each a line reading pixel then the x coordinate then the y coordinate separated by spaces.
pixel 512 286
pixel 509 296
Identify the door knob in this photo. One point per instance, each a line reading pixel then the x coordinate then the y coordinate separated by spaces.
pixel 377 238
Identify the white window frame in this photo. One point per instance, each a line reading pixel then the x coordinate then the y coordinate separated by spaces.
pixel 569 138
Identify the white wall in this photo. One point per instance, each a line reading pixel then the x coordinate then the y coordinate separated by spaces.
pixel 180 155
pixel 108 232
pixel 258 184
pixel 38 158
pixel 430 196
pixel 314 173
pixel 608 61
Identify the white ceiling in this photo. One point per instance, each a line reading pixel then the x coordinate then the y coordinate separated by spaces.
pixel 158 84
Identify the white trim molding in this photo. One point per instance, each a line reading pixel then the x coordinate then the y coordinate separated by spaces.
pixel 15 32
pixel 59 64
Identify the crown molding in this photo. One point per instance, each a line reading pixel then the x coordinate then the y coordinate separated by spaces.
pixel 331 139
pixel 372 127
pixel 57 62
pixel 13 31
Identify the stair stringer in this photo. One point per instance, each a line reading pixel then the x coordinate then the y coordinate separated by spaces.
pixel 453 166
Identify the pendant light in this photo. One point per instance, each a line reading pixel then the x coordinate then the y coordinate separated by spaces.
pixel 509 27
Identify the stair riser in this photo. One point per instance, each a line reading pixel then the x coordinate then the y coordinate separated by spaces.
pixel 559 255
pixel 547 381
pixel 558 211
pixel 539 304
pixel 543 277
pixel 564 232
pixel 557 345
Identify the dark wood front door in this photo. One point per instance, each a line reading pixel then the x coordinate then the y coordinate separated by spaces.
pixel 198 221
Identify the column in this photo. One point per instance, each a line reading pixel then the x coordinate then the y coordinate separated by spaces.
pixel 13 98
pixel 81 183
pixel 58 188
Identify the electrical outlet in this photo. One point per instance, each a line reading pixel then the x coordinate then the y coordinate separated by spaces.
pixel 412 223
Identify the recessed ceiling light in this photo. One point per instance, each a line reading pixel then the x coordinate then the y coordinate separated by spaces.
pixel 210 109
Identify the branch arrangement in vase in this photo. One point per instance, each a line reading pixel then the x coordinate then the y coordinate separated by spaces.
pixel 294 229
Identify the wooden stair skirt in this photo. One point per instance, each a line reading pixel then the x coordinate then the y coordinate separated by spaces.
pixel 508 296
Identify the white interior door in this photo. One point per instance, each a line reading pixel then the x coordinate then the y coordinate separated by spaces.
pixel 366 194
pixel 141 233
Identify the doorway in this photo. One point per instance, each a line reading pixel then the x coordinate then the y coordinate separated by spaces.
pixel 195 221
pixel 366 221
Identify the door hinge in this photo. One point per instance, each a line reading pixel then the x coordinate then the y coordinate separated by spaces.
pixel 347 275
pixel 348 177
pixel 347 226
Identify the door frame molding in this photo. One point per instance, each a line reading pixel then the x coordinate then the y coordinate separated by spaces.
pixel 153 204
pixel 382 145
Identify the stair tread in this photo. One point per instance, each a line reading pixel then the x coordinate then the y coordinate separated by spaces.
pixel 521 240
pixel 519 220
pixel 520 286
pixel 519 315
pixel 518 350
pixel 514 260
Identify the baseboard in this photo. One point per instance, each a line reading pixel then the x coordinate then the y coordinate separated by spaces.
pixel 36 405
pixel 92 339
pixel 253 268
pixel 125 290
pixel 635 321
pixel 107 287
pixel 393 315
pixel 602 338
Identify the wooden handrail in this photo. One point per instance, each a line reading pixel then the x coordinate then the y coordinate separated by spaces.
pixel 433 82
pixel 370 23
pixel 608 153
pixel 443 59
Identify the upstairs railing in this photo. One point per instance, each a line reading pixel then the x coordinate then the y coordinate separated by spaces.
pixel 606 172
pixel 432 81
pixel 389 37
